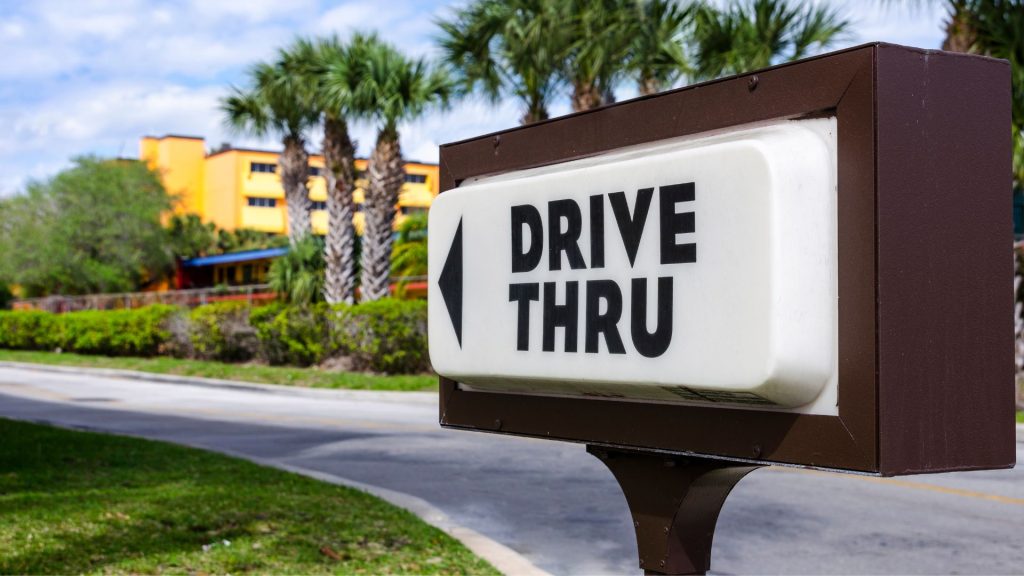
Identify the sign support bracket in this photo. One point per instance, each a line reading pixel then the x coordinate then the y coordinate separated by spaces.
pixel 675 502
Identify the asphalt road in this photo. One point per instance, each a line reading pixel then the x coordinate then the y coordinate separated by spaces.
pixel 550 501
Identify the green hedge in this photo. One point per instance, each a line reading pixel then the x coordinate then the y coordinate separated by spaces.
pixel 27 330
pixel 139 332
pixel 221 331
pixel 296 335
pixel 387 336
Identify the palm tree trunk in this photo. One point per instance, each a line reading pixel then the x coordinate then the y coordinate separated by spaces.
pixel 339 249
pixel 294 163
pixel 534 114
pixel 586 97
pixel 386 177
pixel 960 33
pixel 648 86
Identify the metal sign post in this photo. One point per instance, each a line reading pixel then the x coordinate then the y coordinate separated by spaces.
pixel 674 501
pixel 805 265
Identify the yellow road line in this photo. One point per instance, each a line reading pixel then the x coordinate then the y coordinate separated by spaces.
pixel 909 484
pixel 32 392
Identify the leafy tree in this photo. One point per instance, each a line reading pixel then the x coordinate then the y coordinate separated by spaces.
pixel 190 237
pixel 751 34
pixel 397 89
pixel 6 297
pixel 92 228
pixel 298 276
pixel 508 49
pixel 247 239
pixel 280 102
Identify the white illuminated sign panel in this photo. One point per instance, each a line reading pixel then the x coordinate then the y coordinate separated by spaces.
pixel 699 270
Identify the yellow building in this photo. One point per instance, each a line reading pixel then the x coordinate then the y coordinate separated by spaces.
pixel 240 188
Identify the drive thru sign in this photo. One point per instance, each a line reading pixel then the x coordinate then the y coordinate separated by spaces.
pixel 692 270
pixel 807 265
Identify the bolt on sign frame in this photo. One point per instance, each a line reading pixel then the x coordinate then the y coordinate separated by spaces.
pixel 925 313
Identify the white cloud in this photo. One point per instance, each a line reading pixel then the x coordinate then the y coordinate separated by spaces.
pixel 350 16
pixel 406 23
pixel 12 30
pixel 251 11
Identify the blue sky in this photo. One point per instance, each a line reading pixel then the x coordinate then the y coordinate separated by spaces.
pixel 92 76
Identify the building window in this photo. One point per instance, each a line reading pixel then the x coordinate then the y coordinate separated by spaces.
pixel 416 178
pixel 262 168
pixel 315 171
pixel 262 202
pixel 407 210
pixel 317 205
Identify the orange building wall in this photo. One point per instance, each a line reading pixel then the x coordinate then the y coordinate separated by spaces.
pixel 180 160
pixel 220 206
pixel 217 187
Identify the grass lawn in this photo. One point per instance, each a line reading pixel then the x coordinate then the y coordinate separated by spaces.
pixel 289 376
pixel 1020 417
pixel 75 502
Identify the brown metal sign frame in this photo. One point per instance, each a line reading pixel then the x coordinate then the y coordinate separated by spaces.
pixel 924 236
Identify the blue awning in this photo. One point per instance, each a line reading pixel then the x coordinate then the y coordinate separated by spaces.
pixel 233 257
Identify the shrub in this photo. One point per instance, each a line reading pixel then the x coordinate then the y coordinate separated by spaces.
pixel 291 334
pixel 221 331
pixel 387 335
pixel 27 330
pixel 139 332
pixel 261 319
pixel 179 336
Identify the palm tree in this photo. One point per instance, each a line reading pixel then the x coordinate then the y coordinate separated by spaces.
pixel 332 70
pixel 753 34
pixel 397 89
pixel 598 43
pixel 509 49
pixel 657 30
pixel 410 254
pixel 298 275
pixel 279 102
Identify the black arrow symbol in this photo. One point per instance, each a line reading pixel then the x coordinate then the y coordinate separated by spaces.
pixel 450 283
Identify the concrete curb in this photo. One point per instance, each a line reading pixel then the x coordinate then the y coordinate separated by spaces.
pixel 1020 433
pixel 376 395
